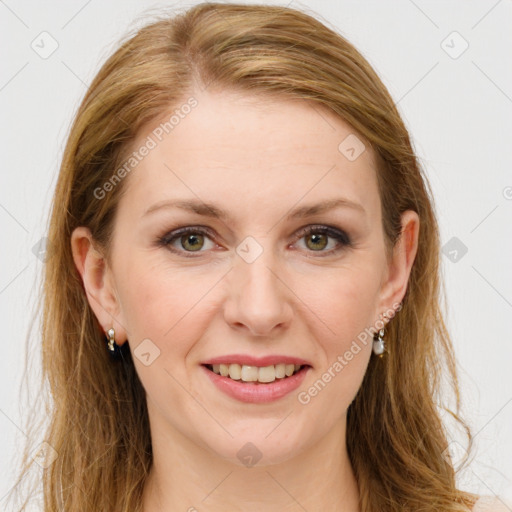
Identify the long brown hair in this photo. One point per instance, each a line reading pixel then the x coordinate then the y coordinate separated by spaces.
pixel 98 423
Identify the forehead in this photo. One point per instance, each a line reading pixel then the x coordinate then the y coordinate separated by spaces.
pixel 252 152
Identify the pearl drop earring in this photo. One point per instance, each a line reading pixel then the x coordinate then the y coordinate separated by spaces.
pixel 379 346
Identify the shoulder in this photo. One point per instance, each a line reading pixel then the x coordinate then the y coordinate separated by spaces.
pixel 492 504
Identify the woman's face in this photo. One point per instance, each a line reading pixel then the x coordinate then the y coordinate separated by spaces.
pixel 250 283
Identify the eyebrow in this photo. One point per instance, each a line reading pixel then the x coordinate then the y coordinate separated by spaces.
pixel 213 211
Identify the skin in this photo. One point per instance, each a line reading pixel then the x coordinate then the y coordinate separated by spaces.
pixel 258 159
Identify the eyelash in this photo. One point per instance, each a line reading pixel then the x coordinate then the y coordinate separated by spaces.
pixel 340 236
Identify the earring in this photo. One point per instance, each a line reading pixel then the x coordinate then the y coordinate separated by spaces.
pixel 379 346
pixel 113 348
pixel 111 342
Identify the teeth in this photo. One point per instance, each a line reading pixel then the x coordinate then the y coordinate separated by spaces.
pixel 235 371
pixel 224 369
pixel 248 373
pixel 267 374
pixel 280 371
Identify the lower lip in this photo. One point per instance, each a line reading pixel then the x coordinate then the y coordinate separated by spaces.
pixel 257 392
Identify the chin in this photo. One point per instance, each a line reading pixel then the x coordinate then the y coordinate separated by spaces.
pixel 257 450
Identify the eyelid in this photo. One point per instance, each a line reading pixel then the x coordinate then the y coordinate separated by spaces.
pixel 333 232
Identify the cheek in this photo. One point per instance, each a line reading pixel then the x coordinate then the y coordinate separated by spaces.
pixel 344 302
pixel 344 308
pixel 343 312
pixel 164 304
pixel 169 307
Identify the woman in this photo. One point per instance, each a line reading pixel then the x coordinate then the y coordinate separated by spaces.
pixel 242 302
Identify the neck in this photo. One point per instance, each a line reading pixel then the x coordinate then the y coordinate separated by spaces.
pixel 185 476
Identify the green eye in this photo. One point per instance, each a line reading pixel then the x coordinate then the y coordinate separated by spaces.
pixel 192 242
pixel 317 239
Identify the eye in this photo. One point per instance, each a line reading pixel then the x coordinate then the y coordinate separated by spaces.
pixel 317 239
pixel 192 240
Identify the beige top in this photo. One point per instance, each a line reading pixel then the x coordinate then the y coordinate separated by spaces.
pixel 492 504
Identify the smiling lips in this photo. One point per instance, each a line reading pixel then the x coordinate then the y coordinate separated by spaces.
pixel 247 368
pixel 249 373
pixel 256 391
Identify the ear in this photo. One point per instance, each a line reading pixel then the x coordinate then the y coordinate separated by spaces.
pixel 396 279
pixel 98 283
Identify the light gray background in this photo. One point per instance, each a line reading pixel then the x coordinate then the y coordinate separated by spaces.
pixel 458 111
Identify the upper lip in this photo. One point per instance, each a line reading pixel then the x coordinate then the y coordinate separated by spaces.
pixel 248 360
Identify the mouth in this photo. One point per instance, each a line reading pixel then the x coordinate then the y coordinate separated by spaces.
pixel 256 374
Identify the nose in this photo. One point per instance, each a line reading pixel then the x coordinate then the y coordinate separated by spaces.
pixel 258 299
